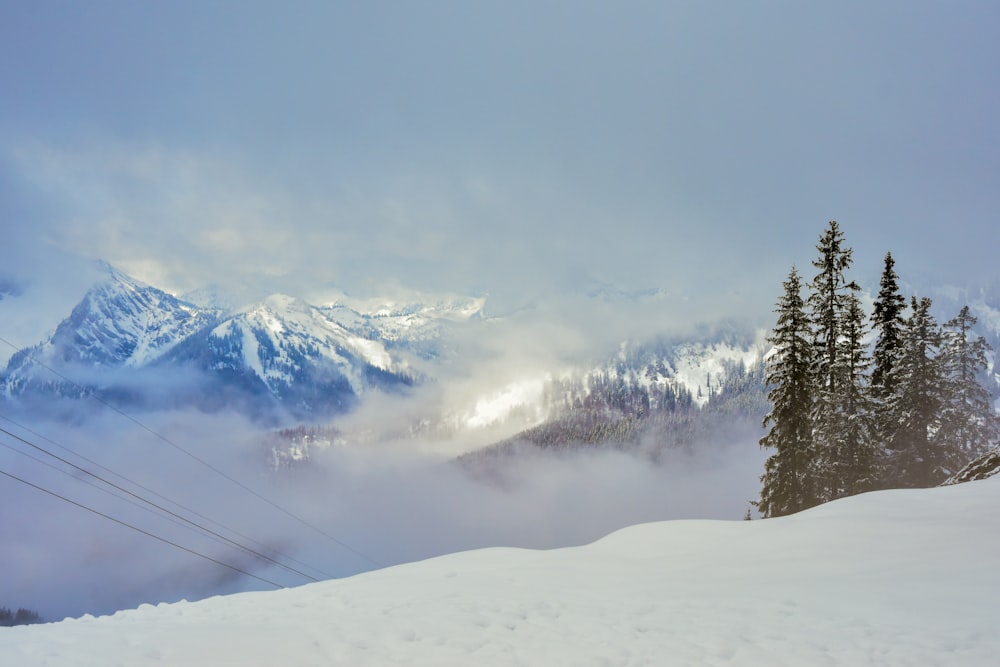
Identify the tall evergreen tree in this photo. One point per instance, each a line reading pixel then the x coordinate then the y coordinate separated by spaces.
pixel 888 323
pixel 828 306
pixel 853 458
pixel 968 422
pixel 887 320
pixel 915 407
pixel 789 473
pixel 827 301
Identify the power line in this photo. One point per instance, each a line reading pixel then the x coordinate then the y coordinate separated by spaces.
pixel 88 392
pixel 161 508
pixel 99 488
pixel 140 530
pixel 89 483
pixel 157 495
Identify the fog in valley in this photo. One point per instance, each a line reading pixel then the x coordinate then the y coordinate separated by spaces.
pixel 382 503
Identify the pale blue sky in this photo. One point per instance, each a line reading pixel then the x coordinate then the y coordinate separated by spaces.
pixel 503 147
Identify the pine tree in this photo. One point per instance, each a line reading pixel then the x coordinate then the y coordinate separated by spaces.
pixel 915 407
pixel 853 456
pixel 21 617
pixel 887 320
pixel 789 473
pixel 828 305
pixel 968 422
pixel 827 301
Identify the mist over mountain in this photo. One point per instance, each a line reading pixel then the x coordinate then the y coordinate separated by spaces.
pixel 355 409
pixel 126 340
pixel 283 360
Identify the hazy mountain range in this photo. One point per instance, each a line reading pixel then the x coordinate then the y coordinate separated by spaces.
pixel 283 360
pixel 137 346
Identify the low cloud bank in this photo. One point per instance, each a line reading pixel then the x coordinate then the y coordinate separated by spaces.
pixel 372 505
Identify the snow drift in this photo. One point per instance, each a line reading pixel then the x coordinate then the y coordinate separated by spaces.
pixel 886 578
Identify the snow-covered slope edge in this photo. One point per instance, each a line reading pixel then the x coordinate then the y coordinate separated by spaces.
pixel 888 578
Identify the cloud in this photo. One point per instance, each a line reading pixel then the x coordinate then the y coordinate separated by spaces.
pixel 390 502
pixel 477 150
pixel 172 218
pixel 181 220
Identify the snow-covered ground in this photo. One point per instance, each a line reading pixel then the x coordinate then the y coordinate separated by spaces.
pixel 890 578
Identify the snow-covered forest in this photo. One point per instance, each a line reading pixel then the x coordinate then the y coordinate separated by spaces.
pixel 864 402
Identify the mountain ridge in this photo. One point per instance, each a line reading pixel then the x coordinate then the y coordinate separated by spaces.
pixel 279 353
pixel 284 355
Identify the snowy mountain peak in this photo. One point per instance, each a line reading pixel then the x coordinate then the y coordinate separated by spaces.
pixel 122 321
pixel 282 333
pixel 276 354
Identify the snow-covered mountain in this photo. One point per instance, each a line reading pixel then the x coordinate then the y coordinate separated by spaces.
pixel 699 363
pixel 420 326
pixel 125 340
pixel 124 322
pixel 788 591
pixel 131 342
pixel 120 324
pixel 290 351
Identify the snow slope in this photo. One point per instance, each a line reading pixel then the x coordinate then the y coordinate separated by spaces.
pixel 904 577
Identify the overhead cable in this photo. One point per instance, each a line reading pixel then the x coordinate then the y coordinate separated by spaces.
pixel 122 489
pixel 140 530
pixel 88 392
pixel 153 493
